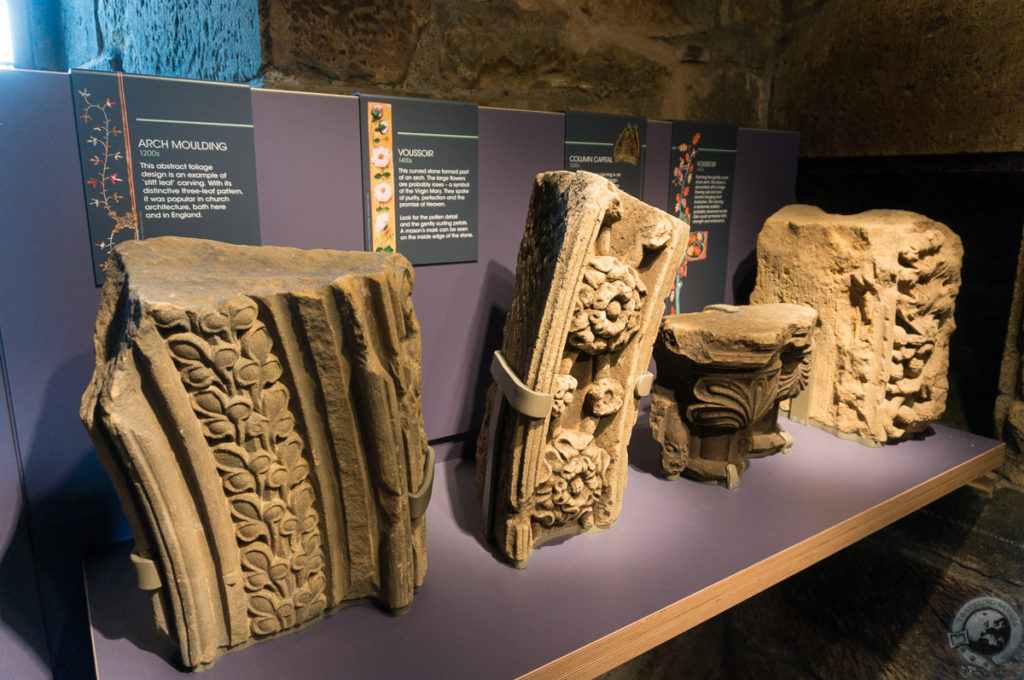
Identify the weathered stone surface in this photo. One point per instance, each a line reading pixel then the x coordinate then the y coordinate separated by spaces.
pixel 694 61
pixel 594 266
pixel 1009 407
pixel 364 44
pixel 258 410
pixel 721 375
pixel 884 283
pixel 867 77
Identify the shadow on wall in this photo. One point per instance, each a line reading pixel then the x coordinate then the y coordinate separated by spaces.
pixel 492 307
pixel 71 507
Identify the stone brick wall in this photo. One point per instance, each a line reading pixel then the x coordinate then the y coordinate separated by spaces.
pixel 877 77
pixel 688 59
pixel 202 39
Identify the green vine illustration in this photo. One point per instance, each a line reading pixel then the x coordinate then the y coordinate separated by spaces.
pixel 225 361
pixel 103 137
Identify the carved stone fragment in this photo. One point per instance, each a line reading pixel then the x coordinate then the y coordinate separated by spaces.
pixel 884 283
pixel 721 375
pixel 594 267
pixel 258 410
pixel 1009 407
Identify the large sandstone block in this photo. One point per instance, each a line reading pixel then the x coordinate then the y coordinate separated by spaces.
pixel 594 267
pixel 258 410
pixel 884 283
pixel 721 375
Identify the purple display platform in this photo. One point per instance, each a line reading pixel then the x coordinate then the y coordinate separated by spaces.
pixel 308 168
pixel 680 553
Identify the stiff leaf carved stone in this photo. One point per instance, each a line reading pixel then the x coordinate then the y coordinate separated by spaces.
pixel 721 375
pixel 594 268
pixel 884 283
pixel 258 410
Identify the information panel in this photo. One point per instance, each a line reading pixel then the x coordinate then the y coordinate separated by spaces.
pixel 163 156
pixel 420 180
pixel 702 164
pixel 608 145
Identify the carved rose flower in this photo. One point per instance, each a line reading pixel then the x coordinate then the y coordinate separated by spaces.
pixel 382 192
pixel 573 479
pixel 563 392
pixel 607 311
pixel 604 397
pixel 380 156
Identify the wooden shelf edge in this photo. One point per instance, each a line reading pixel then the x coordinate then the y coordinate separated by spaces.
pixel 636 638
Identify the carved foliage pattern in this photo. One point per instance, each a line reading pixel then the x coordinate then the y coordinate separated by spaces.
pixel 928 284
pixel 225 362
pixel 571 480
pixel 732 402
pixel 796 365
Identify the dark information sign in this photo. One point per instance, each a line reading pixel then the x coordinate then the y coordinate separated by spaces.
pixel 608 145
pixel 702 164
pixel 420 179
pixel 162 156
pixel 612 146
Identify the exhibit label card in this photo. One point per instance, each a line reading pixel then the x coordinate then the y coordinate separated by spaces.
pixel 420 181
pixel 608 145
pixel 163 156
pixel 702 164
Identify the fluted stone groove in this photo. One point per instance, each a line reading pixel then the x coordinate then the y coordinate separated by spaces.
pixel 258 410
pixel 594 267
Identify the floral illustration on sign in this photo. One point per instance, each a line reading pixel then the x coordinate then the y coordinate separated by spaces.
pixel 571 480
pixel 110 163
pixel 382 195
pixel 234 384
pixel 608 305
pixel 682 181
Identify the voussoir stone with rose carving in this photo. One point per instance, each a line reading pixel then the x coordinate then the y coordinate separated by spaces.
pixel 595 265
pixel 258 410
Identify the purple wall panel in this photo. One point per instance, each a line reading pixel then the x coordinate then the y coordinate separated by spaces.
pixel 765 181
pixel 49 307
pixel 656 170
pixel 23 650
pixel 462 307
pixel 307 160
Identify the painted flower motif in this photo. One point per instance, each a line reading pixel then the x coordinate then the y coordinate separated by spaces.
pixel 380 156
pixel 563 392
pixel 608 306
pixel 383 127
pixel 382 221
pixel 604 397
pixel 572 480
pixel 376 111
pixel 382 192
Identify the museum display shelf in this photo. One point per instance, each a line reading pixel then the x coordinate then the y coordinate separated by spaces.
pixel 679 554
